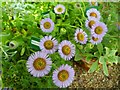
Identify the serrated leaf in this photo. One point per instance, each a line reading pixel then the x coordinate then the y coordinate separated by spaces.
pixel 112 52
pixel 93 67
pixel 105 70
pixel 113 59
pixel 100 48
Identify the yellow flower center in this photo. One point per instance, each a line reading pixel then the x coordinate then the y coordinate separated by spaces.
pixel 47 25
pixel 39 64
pixel 59 9
pixel 98 30
pixel 93 14
pixel 63 75
pixel 80 36
pixel 93 3
pixel 48 44
pixel 91 23
pixel 66 50
pixel 95 39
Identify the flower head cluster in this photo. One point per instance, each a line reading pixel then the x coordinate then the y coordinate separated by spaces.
pixel 98 29
pixel 39 63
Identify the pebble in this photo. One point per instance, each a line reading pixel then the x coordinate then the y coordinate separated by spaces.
pixel 97 79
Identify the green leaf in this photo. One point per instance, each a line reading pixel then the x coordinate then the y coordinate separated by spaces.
pixel 93 67
pixel 96 54
pixel 52 15
pixel 105 70
pixel 78 57
pixel 101 59
pixel 21 61
pixel 19 23
pixel 80 46
pixel 5 17
pixel 113 59
pixel 87 48
pixel 89 57
pixel 100 48
pixel 112 52
pixel 118 59
pixel 107 50
pixel 35 47
pixel 22 51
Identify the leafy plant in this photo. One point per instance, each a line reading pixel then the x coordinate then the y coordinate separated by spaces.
pixel 21 24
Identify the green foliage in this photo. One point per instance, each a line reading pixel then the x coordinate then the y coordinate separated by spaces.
pixel 78 55
pixel 109 57
pixel 100 48
pixel 105 70
pixel 20 24
pixel 93 67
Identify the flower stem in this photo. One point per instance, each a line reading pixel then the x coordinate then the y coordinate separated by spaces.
pixel 6 55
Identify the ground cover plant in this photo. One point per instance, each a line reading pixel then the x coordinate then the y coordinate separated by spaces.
pixel 41 40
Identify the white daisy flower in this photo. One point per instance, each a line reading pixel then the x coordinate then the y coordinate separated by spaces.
pixel 48 44
pixel 66 50
pixel 90 22
pixel 80 36
pixel 93 13
pixel 96 40
pixel 47 25
pixel 93 2
pixel 39 64
pixel 99 29
pixel 59 9
pixel 63 76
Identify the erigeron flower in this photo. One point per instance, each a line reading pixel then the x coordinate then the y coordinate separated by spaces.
pixel 99 29
pixel 47 25
pixel 66 50
pixel 93 13
pixel 93 2
pixel 59 9
pixel 48 44
pixel 80 36
pixel 63 76
pixel 90 22
pixel 39 64
pixel 96 40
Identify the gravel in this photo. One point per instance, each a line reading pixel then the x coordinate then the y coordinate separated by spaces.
pixel 97 79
